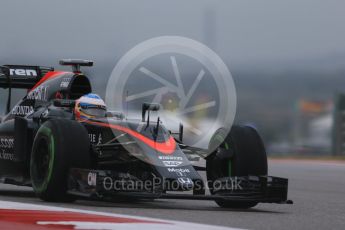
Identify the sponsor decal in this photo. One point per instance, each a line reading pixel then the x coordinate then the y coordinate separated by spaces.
pixel 185 180
pixel 39 93
pixel 172 163
pixel 6 142
pixel 95 138
pixel 179 170
pixel 23 72
pixel 170 158
pixel 65 82
pixel 7 156
pixel 180 174
pixel 22 110
pixel 92 179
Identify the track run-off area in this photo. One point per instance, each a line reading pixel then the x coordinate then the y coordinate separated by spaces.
pixel 316 187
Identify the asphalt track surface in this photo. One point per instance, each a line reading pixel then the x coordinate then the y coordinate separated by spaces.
pixel 317 189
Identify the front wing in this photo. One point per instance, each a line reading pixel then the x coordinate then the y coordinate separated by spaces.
pixel 110 185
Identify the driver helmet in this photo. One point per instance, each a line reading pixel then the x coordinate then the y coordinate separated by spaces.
pixel 90 106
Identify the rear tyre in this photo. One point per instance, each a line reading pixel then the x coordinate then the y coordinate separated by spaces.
pixel 240 152
pixel 58 146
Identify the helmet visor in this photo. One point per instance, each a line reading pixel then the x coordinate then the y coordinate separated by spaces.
pixel 95 111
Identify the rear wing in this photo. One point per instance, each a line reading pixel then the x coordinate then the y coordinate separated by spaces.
pixel 21 76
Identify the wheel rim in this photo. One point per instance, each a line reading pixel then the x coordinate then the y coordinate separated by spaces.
pixel 41 161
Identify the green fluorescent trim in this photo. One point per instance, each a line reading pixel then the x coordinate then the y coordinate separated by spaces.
pixel 226 145
pixel 47 131
pixel 229 167
pixel 51 162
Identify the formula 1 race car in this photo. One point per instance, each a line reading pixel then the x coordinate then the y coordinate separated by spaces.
pixel 61 140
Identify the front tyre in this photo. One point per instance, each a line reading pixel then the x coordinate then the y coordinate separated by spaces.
pixel 240 152
pixel 58 146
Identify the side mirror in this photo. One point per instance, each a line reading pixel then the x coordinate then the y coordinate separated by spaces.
pixel 148 107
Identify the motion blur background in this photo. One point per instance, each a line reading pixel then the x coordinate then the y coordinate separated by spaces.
pixel 287 58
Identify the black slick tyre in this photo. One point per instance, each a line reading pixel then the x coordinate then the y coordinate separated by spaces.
pixel 240 152
pixel 59 145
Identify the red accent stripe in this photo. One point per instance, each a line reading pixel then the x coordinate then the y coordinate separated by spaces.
pixel 29 219
pixel 31 216
pixel 48 76
pixel 167 147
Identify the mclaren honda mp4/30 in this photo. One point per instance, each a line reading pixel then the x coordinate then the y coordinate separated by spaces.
pixel 61 140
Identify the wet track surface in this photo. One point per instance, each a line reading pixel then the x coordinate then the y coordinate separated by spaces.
pixel 317 189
